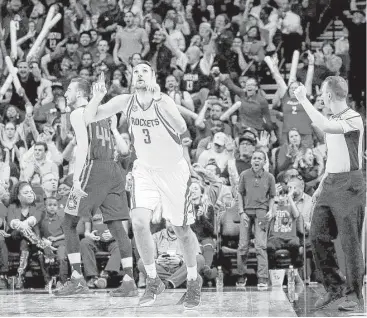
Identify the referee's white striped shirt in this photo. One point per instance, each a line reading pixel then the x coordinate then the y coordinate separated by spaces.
pixel 345 151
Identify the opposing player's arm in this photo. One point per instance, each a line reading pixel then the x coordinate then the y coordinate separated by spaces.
pixel 115 105
pixel 81 135
pixel 171 113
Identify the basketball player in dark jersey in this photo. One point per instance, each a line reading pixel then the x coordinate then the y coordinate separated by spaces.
pixel 97 183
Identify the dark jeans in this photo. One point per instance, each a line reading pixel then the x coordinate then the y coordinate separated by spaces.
pixel 4 264
pixel 260 244
pixel 340 211
pixel 88 250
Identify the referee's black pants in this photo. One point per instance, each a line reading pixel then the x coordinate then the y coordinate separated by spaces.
pixel 340 211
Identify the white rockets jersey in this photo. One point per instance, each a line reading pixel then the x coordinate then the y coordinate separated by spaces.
pixel 156 143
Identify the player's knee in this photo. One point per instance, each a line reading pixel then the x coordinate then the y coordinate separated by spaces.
pixel 139 222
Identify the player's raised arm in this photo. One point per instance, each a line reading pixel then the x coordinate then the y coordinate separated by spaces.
pixel 117 104
pixel 170 112
pixel 81 136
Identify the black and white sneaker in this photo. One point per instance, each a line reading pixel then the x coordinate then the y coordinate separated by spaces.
pixel 193 294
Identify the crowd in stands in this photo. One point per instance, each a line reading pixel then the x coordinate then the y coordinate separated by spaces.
pixel 256 158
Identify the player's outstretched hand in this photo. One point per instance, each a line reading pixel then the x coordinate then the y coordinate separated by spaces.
pixel 154 88
pixel 77 190
pixel 301 93
pixel 99 88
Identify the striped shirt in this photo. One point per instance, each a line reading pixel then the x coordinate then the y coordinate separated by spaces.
pixel 345 151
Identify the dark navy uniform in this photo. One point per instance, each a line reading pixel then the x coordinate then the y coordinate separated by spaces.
pixel 102 178
pixel 194 79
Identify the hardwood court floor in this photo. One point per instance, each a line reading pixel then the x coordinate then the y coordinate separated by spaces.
pixel 233 302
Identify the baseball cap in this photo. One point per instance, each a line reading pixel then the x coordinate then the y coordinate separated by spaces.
pixel 220 139
pixel 249 137
pixel 251 130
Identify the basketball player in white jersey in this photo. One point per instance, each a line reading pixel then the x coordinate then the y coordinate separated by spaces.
pixel 340 199
pixel 161 174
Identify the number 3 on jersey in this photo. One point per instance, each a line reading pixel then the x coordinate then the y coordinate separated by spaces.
pixel 147 139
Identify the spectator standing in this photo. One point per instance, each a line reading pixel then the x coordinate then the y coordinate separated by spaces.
pixel 289 24
pixel 29 86
pixel 294 116
pixel 15 11
pixel 196 72
pixel 256 192
pixel 253 110
pixel 129 40
pixel 58 56
pixel 267 18
pixel 108 21
pixel 234 168
pixel 170 24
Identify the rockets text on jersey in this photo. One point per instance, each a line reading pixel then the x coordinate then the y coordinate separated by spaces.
pixel 155 141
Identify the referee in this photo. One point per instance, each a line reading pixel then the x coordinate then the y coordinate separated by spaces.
pixel 340 198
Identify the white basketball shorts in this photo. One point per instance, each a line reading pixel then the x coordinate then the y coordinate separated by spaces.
pixel 167 187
